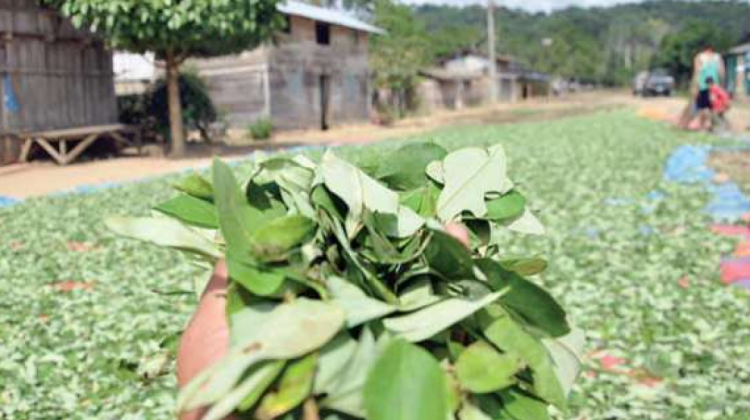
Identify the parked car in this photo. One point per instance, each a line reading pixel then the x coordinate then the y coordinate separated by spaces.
pixel 656 82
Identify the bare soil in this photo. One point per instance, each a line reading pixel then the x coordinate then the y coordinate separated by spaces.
pixel 42 177
pixel 736 165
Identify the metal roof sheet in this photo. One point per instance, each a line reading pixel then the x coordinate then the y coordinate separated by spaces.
pixel 321 14
pixel 740 49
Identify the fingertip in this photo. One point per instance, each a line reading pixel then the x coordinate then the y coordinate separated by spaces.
pixel 458 231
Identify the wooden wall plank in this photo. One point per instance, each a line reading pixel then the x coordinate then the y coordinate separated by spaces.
pixel 61 76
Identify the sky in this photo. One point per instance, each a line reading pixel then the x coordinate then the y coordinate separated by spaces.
pixel 530 5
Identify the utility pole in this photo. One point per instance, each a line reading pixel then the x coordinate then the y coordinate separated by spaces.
pixel 491 51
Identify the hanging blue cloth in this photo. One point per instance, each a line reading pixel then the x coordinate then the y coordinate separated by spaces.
pixel 9 96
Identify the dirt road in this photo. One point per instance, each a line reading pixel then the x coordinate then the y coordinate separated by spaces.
pixel 41 178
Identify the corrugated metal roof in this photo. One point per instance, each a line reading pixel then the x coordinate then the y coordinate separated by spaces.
pixel 321 14
pixel 741 49
pixel 440 73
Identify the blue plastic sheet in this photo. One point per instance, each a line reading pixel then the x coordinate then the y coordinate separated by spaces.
pixel 10 102
pixel 656 195
pixel 728 203
pixel 688 165
pixel 618 202
pixel 646 230
pixel 7 201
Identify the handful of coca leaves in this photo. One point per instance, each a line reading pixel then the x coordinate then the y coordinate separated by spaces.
pixel 349 300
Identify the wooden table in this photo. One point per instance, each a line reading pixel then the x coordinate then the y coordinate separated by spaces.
pixel 86 135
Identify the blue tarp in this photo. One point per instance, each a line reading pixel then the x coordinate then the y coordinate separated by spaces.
pixel 688 165
pixel 656 195
pixel 728 203
pixel 7 201
pixel 10 102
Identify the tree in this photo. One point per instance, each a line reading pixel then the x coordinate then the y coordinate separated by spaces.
pixel 397 58
pixel 448 40
pixel 176 31
pixel 601 45
pixel 678 49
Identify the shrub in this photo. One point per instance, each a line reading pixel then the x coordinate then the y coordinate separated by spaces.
pixel 261 129
pixel 386 115
pixel 198 111
pixel 132 109
pixel 135 110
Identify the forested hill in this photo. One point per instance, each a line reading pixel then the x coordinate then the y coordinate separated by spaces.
pixel 605 45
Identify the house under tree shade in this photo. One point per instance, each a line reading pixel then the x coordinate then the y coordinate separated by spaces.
pixel 738 70
pixel 314 75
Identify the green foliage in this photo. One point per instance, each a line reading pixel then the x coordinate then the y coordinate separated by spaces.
pixel 176 31
pixel 447 40
pixel 601 45
pixel 678 49
pixel 473 374
pixel 196 28
pixel 133 109
pixel 386 268
pixel 150 110
pixel 397 58
pixel 619 284
pixel 198 111
pixel 261 129
pixel 405 370
pixel 190 210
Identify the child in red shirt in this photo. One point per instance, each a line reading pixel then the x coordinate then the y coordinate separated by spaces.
pixel 720 99
pixel 720 103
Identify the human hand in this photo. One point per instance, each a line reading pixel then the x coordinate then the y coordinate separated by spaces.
pixel 206 339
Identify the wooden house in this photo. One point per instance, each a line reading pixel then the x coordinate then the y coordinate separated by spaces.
pixel 738 70
pixel 54 76
pixel 314 75
pixel 463 80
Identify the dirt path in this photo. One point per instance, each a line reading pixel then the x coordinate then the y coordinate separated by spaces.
pixel 41 178
pixel 670 109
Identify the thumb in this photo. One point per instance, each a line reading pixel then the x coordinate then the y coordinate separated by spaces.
pixel 458 231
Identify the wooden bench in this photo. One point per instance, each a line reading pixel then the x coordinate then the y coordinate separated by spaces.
pixel 86 135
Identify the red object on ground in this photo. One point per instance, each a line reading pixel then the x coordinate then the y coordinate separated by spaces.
pixel 69 286
pixel 734 270
pixel 75 246
pixel 684 282
pixel 610 362
pixel 731 230
pixel 720 99
pixel 650 381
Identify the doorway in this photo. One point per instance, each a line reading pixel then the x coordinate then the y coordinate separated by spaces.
pixel 325 99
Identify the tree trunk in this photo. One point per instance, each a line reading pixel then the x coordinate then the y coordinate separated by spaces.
pixel 177 132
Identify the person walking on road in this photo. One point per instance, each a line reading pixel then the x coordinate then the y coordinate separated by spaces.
pixel 708 66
